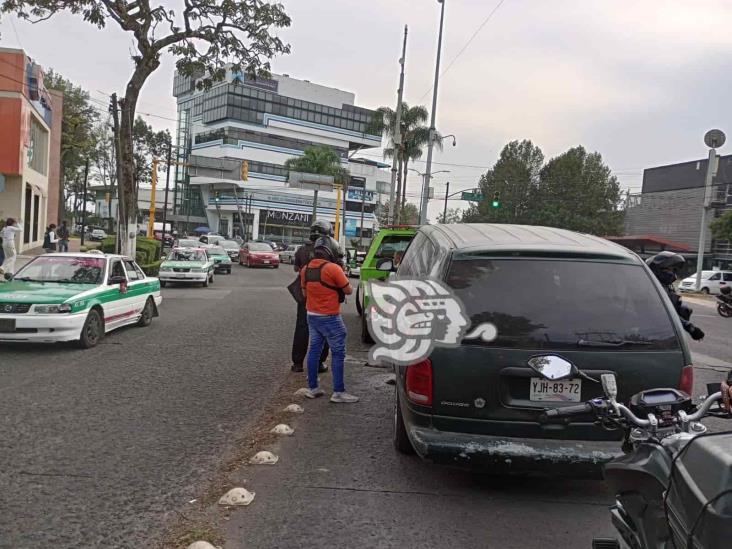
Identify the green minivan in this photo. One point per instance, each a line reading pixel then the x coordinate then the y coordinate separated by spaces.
pixel 547 292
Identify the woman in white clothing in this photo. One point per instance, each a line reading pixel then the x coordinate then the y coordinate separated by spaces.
pixel 7 233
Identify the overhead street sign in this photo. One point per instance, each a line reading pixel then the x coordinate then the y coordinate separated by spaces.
pixel 471 196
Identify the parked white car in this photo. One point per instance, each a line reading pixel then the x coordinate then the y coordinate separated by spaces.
pixel 711 282
pixel 98 234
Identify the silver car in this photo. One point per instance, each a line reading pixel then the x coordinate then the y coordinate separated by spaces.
pixel 288 254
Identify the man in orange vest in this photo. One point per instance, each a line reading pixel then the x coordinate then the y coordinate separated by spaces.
pixel 325 287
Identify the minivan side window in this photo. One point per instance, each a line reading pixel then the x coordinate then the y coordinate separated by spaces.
pixel 418 257
pixel 727 277
pixel 715 276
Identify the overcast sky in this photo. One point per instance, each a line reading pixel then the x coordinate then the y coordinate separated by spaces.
pixel 640 82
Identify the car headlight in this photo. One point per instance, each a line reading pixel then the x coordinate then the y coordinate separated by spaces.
pixel 165 268
pixel 53 309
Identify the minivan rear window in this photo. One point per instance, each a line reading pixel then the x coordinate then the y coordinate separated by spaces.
pixel 560 304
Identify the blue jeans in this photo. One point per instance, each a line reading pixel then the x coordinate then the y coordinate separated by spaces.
pixel 331 329
pixel 63 245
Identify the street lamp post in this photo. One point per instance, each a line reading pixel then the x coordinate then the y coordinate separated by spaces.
pixel 712 139
pixel 425 193
pixel 431 144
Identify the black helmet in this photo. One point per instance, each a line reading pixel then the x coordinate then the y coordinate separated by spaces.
pixel 320 228
pixel 329 246
pixel 725 290
pixel 665 260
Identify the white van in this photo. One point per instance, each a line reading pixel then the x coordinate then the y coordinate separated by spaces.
pixel 711 282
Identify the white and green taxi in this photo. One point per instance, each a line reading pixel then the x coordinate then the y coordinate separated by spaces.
pixel 76 297
pixel 187 265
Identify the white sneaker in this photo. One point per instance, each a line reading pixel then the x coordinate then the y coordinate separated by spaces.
pixel 343 397
pixel 314 393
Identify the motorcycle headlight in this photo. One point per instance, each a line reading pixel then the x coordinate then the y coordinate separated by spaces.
pixel 53 309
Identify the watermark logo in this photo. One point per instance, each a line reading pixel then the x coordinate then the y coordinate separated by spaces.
pixel 409 318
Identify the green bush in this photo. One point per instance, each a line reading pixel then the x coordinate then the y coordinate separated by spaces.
pixel 148 250
pixel 152 269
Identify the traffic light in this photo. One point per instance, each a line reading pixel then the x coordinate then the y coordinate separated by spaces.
pixel 496 200
pixel 245 170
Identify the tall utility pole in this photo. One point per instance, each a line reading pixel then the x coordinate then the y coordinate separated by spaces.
pixel 121 209
pixel 398 132
pixel 83 204
pixel 167 183
pixel 713 139
pixel 431 144
pixel 444 210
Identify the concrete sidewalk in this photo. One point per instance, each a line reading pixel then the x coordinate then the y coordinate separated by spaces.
pixel 339 482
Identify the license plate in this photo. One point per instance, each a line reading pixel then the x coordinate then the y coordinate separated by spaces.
pixel 7 325
pixel 566 390
pixel 266 261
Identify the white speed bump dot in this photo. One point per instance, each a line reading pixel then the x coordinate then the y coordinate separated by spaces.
pixel 237 496
pixel 264 458
pixel 295 409
pixel 201 545
pixel 282 429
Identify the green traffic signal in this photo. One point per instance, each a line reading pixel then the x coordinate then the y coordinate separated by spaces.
pixel 496 204
pixel 496 200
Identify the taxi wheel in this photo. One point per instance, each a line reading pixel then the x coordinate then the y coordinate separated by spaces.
pixel 93 330
pixel 206 282
pixel 147 314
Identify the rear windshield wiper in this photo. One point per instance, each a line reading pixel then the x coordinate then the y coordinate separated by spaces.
pixel 610 342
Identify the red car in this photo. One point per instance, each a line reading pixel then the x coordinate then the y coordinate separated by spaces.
pixel 258 254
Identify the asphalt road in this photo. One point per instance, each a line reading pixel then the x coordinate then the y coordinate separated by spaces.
pixel 99 448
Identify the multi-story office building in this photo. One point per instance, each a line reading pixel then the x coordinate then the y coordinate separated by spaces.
pixel 30 146
pixel 670 205
pixel 265 122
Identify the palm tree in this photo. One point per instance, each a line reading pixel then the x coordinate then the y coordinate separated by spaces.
pixel 321 161
pixel 414 136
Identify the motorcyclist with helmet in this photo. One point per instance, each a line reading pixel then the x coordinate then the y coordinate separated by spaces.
pixel 664 266
pixel 301 338
pixel 325 287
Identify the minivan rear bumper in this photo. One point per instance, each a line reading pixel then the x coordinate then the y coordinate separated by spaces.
pixel 574 458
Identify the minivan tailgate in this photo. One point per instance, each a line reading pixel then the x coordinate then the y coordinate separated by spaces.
pixel 486 383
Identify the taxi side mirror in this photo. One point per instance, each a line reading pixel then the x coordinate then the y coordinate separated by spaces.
pixel 385 264
pixel 114 280
pixel 8 276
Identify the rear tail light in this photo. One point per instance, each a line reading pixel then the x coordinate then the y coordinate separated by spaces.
pixel 419 383
pixel 686 382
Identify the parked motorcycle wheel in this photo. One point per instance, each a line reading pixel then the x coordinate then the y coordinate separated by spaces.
pixel 724 310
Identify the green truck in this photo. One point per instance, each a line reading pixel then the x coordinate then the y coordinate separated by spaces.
pixel 391 243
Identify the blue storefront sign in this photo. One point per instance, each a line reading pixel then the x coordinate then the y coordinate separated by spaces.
pixel 351 227
pixel 357 194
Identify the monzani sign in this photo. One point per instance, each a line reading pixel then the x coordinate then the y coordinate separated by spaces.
pixel 291 219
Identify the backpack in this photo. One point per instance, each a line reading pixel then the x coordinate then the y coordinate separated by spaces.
pixel 47 241
pixel 315 275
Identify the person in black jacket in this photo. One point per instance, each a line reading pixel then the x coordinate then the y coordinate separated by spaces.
pixel 301 338
pixel 665 265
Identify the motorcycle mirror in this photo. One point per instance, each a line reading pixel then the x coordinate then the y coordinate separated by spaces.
pixel 552 367
pixel 609 385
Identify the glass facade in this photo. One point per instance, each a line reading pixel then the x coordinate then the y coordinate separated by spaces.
pixel 247 104
pixel 232 136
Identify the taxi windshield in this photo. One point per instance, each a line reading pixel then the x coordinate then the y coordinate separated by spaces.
pixel 187 255
pixel 71 270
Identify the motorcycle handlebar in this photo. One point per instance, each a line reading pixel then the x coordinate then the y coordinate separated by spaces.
pixel 566 411
pixel 704 407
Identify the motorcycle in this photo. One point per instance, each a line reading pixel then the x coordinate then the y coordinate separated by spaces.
pixel 673 485
pixel 724 302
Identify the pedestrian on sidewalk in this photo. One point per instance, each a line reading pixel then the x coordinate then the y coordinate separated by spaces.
pixel 8 236
pixel 49 239
pixel 63 237
pixel 325 287
pixel 301 337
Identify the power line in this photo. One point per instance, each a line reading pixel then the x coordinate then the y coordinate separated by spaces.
pixel 467 44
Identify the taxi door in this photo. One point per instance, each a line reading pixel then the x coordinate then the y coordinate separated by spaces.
pixel 137 291
pixel 117 307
